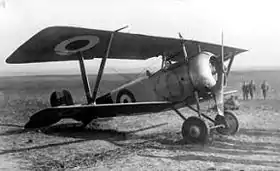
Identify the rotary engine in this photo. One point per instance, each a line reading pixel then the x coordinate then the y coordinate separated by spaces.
pixel 203 71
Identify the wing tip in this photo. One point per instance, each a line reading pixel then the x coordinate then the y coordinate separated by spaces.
pixel 10 59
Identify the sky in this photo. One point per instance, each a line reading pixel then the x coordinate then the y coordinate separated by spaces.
pixel 250 24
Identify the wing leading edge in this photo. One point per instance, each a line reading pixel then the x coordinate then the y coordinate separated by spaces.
pixel 57 43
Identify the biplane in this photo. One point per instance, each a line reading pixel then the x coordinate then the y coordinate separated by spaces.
pixel 191 72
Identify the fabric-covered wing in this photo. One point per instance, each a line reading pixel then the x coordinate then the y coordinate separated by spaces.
pixel 61 44
pixel 52 115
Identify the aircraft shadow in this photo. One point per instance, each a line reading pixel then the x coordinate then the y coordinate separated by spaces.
pixel 73 130
pixel 11 125
pixel 14 131
pixel 17 129
pixel 232 150
pixel 67 130
pixel 39 147
pixel 221 145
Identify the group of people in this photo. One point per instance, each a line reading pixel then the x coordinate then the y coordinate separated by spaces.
pixel 250 89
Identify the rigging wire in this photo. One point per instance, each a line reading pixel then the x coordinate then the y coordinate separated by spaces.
pixel 120 73
pixel 146 68
pixel 127 78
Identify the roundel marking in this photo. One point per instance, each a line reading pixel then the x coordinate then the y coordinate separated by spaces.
pixel 125 99
pixel 125 96
pixel 76 44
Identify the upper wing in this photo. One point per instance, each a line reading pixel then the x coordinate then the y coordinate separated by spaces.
pixel 52 115
pixel 61 43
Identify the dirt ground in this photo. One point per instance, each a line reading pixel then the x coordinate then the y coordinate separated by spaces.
pixel 147 142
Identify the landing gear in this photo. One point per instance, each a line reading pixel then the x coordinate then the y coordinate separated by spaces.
pixel 231 126
pixel 195 130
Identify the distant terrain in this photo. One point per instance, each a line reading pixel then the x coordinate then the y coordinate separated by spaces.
pixel 147 142
pixel 41 84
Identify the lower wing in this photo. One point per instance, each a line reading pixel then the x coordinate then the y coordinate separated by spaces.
pixel 52 115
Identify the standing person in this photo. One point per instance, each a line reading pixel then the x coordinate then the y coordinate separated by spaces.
pixel 245 90
pixel 252 88
pixel 264 88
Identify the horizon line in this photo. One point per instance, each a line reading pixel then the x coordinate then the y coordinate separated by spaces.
pixel 120 73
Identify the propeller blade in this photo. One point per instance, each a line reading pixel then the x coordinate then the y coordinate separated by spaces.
pixel 218 89
pixel 184 47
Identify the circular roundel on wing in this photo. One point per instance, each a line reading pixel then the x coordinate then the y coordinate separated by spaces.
pixel 76 44
pixel 125 96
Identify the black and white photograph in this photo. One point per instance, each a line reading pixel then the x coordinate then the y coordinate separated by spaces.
pixel 139 85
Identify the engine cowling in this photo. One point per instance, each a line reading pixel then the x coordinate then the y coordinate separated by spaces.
pixel 202 71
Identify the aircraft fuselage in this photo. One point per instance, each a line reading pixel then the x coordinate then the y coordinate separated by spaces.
pixel 174 83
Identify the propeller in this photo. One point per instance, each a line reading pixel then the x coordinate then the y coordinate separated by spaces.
pixel 201 74
pixel 184 47
pixel 218 89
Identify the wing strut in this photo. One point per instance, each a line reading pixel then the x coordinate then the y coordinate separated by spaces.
pixel 102 65
pixel 230 64
pixel 84 77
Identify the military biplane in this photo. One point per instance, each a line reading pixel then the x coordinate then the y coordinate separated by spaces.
pixel 191 72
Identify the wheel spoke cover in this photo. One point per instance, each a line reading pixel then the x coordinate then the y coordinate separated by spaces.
pixel 232 123
pixel 195 130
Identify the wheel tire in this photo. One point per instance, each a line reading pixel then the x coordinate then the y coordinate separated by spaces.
pixel 125 96
pixel 65 99
pixel 54 100
pixel 232 123
pixel 195 130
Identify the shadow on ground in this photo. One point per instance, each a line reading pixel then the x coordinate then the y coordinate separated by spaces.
pixel 220 146
pixel 73 130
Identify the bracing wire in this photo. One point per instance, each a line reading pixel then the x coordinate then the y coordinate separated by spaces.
pixel 137 75
pixel 146 68
pixel 127 78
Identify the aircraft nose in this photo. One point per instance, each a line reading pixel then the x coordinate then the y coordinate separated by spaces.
pixel 201 71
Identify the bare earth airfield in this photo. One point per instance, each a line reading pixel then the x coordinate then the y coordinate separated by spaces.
pixel 147 142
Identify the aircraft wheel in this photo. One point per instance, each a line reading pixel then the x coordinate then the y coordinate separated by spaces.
pixel 61 98
pixel 195 130
pixel 232 123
